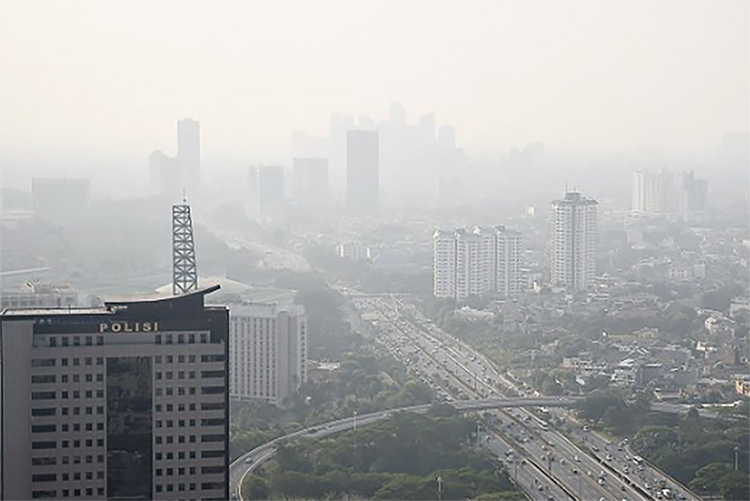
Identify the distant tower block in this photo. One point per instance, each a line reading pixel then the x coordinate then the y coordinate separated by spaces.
pixel 184 271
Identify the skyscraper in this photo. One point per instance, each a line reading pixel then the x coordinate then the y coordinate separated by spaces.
pixel 268 351
pixel 128 401
pixel 665 194
pixel 573 241
pixel 482 261
pixel 362 171
pixel 189 152
pixel 652 193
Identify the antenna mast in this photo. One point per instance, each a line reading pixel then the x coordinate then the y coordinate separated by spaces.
pixel 184 271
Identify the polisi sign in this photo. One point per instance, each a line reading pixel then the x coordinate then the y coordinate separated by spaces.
pixel 129 327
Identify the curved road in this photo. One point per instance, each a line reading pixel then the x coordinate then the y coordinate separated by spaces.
pixel 251 460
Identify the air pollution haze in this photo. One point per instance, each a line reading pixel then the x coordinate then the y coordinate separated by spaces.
pixel 375 250
pixel 88 83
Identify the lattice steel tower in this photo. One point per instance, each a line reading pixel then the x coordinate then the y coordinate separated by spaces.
pixel 184 271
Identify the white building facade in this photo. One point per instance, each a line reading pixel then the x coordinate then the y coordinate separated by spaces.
pixel 268 351
pixel 485 260
pixel 574 241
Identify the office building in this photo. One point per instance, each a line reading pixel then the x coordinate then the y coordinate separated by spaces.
pixel 311 181
pixel 477 262
pixel 362 172
pixel 189 152
pixel 60 200
pixel 127 401
pixel 573 241
pixel 268 351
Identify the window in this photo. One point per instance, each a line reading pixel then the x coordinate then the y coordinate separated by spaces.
pixel 49 378
pixel 49 461
pixel 43 362
pixel 48 411
pixel 44 445
pixel 46 494
pixel 42 395
pixel 43 428
pixel 207 470
pixel 212 390
pixel 212 454
pixel 212 438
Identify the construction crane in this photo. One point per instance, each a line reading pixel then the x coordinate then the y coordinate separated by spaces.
pixel 184 270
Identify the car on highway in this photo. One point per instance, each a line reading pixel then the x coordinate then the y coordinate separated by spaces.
pixel 248 460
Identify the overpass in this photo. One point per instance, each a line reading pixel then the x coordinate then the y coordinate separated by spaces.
pixel 251 460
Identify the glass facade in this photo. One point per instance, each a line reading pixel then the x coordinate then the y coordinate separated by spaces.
pixel 129 428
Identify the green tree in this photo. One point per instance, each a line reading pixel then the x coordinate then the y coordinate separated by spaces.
pixel 735 486
pixel 707 478
pixel 255 487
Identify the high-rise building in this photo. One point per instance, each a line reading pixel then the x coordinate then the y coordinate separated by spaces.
pixel 444 263
pixel 127 401
pixel 665 194
pixel 362 171
pixel 189 152
pixel 573 241
pixel 268 353
pixel 271 192
pixel 652 192
pixel 311 181
pixel 60 200
pixel 482 261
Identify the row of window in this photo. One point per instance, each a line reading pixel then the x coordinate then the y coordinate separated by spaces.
pixel 67 477
pixel 75 361
pixel 66 378
pixel 66 427
pixel 206 486
pixel 65 493
pixel 51 461
pixel 191 390
pixel 181 338
pixel 181 359
pixel 182 439
pixel 52 444
pixel 181 423
pixel 73 340
pixel 169 456
pixel 205 406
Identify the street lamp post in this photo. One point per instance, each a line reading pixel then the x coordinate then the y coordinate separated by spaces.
pixel 440 486
pixel 354 428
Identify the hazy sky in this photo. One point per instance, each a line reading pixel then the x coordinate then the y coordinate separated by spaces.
pixel 105 77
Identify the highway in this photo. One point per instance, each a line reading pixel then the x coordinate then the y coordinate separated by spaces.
pixel 544 462
pixel 457 371
pixel 250 461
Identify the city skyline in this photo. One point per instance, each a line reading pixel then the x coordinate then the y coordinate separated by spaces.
pixel 593 89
